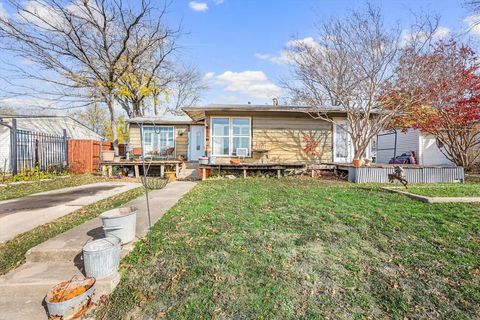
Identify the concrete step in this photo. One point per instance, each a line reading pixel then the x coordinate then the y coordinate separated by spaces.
pixel 22 291
pixel 41 277
pixel 191 165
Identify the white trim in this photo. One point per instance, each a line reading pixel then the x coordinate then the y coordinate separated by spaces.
pixel 230 135
pixel 190 141
pixel 349 144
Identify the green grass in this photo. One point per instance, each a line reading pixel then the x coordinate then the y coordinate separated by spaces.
pixel 446 190
pixel 303 249
pixel 21 190
pixel 12 252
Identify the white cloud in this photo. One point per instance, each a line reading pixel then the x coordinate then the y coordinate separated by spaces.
pixel 208 76
pixel 263 56
pixel 217 2
pixel 305 42
pixel 473 24
pixel 441 33
pixel 285 56
pixel 408 37
pixel 253 84
pixel 198 6
pixel 3 12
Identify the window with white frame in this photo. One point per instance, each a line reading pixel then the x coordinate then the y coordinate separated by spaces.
pixel 230 133
pixel 158 139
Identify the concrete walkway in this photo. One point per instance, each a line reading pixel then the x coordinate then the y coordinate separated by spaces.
pixel 23 214
pixel 22 290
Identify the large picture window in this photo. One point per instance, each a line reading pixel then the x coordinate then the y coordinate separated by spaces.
pixel 157 140
pixel 229 134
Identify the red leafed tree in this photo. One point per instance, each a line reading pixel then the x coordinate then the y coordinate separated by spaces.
pixel 442 98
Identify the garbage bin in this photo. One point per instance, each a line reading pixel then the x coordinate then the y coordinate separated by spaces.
pixel 101 257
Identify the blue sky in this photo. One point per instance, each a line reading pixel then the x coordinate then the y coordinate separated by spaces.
pixel 230 37
pixel 237 44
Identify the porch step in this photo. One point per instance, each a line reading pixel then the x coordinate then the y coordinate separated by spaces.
pixel 189 173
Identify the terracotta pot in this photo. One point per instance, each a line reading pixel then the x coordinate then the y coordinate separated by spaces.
pixel 357 162
pixel 108 155
pixel 137 151
pixel 235 162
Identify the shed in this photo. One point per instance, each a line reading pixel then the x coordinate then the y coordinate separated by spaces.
pixel 395 142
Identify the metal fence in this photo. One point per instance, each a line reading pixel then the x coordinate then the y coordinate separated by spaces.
pixel 32 150
pixel 420 174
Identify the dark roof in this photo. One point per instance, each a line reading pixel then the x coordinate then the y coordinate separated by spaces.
pixel 198 112
pixel 167 118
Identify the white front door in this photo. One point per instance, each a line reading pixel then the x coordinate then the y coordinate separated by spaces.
pixel 196 142
pixel 342 146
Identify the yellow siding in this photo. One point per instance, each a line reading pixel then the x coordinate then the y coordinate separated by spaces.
pixel 181 138
pixel 283 136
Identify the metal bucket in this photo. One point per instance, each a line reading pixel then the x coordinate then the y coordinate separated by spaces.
pixel 120 223
pixel 101 257
pixel 60 304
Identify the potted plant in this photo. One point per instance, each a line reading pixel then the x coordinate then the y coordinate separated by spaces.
pixel 357 162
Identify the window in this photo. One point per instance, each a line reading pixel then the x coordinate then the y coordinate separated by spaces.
pixel 157 140
pixel 228 134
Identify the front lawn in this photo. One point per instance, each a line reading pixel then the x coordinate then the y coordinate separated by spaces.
pixel 301 248
pixel 25 189
pixel 446 190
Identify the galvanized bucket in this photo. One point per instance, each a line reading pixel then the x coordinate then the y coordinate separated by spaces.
pixel 60 304
pixel 101 257
pixel 120 223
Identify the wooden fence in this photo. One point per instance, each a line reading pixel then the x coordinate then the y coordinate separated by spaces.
pixel 84 156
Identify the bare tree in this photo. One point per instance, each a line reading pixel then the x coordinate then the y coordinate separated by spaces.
pixel 82 48
pixel 93 116
pixel 348 68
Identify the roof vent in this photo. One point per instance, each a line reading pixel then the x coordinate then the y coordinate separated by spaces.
pixel 275 102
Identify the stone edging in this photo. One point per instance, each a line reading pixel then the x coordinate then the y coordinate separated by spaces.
pixel 433 199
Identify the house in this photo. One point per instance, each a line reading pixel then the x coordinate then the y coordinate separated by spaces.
pixel 254 133
pixel 39 139
pixel 397 141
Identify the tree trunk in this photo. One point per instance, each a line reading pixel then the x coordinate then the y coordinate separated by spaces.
pixel 113 123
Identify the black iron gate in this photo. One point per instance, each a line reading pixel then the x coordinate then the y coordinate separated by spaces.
pixel 32 150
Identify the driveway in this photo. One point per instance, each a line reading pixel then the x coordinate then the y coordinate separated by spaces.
pixel 23 214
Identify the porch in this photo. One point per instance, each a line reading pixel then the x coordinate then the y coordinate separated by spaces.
pixel 278 168
pixel 136 166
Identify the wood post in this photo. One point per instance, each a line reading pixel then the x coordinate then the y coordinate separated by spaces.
pixel 244 173
pixel 13 146
pixel 204 174
pixel 162 171
pixel 177 170
pixel 279 173
pixel 137 171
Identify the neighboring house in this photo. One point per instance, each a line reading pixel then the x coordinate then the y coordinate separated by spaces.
pixel 53 126
pixel 396 142
pixel 260 133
